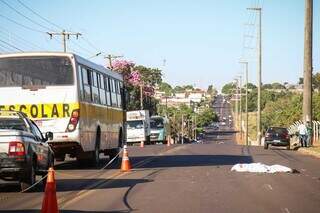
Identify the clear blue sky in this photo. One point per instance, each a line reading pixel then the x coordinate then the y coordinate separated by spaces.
pixel 202 41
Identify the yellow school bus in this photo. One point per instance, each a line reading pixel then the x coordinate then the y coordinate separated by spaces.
pixel 79 101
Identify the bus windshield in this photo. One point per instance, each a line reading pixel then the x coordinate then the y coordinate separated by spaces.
pixel 35 70
pixel 135 124
pixel 156 123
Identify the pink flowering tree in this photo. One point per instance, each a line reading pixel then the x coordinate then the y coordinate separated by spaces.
pixel 136 76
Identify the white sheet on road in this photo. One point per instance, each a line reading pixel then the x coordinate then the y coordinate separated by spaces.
pixel 260 168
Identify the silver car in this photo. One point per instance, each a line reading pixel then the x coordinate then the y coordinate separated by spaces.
pixel 24 152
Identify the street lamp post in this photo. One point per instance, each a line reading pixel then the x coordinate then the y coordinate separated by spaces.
pixel 259 10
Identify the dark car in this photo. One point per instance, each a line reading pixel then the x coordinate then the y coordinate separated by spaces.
pixel 24 152
pixel 277 136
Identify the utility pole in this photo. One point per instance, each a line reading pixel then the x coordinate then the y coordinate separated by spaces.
pixel 237 107
pixel 65 35
pixel 240 122
pixel 195 127
pixel 110 57
pixel 141 96
pixel 307 72
pixel 246 63
pixel 259 10
pixel 182 129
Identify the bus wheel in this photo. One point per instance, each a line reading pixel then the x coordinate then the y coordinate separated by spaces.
pixel 96 152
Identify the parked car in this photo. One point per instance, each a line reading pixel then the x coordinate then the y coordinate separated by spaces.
pixel 24 152
pixel 277 136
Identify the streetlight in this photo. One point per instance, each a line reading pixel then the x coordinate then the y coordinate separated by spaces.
pixel 259 10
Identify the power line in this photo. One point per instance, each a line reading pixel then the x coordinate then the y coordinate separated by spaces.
pixel 10 45
pixel 88 51
pixel 57 26
pixel 5 48
pixel 17 23
pixel 26 17
pixel 37 14
pixel 19 38
pixel 90 44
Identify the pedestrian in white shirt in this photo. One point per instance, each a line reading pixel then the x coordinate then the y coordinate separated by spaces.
pixel 303 133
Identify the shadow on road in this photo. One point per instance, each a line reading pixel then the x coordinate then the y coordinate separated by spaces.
pixel 192 160
pixel 61 211
pixel 64 185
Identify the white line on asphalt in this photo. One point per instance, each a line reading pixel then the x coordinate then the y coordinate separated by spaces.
pixel 269 186
pixel 285 210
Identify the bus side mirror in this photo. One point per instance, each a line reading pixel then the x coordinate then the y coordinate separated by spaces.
pixel 49 136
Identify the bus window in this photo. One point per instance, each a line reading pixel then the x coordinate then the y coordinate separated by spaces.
pixel 102 91
pixel 81 95
pixel 113 93
pixel 47 69
pixel 86 76
pixel 118 93
pixel 107 88
pixel 94 87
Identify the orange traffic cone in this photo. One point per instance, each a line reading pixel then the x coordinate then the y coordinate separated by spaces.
pixel 142 144
pixel 125 164
pixel 49 203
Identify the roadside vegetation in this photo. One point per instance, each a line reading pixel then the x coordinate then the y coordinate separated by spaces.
pixel 195 116
pixel 280 105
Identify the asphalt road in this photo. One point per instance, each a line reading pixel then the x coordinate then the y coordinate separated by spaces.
pixel 183 178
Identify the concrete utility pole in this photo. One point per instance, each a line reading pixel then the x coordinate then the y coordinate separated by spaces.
pixel 237 106
pixel 182 129
pixel 307 72
pixel 259 10
pixel 240 122
pixel 247 117
pixel 110 57
pixel 65 35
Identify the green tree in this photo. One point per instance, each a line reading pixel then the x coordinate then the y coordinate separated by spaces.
pixel 211 90
pixel 228 88
pixel 165 87
pixel 277 85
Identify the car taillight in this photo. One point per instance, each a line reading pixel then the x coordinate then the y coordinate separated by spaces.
pixel 75 115
pixel 286 136
pixel 16 148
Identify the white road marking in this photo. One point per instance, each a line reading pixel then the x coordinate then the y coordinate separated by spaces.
pixel 285 210
pixel 268 187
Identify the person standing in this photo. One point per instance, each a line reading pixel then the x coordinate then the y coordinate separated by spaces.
pixel 303 134
pixel 309 134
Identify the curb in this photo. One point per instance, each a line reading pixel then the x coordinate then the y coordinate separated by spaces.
pixel 309 151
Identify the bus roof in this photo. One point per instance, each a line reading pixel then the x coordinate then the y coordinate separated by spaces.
pixel 78 59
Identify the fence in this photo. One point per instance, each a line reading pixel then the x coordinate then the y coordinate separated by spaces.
pixel 293 129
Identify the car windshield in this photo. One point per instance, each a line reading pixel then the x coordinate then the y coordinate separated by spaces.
pixel 40 71
pixel 156 123
pixel 12 123
pixel 135 124
pixel 277 130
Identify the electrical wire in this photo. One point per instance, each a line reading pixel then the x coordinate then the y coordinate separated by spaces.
pixel 21 25
pixel 26 17
pixel 5 48
pixel 37 14
pixel 90 44
pixel 20 39
pixel 10 45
